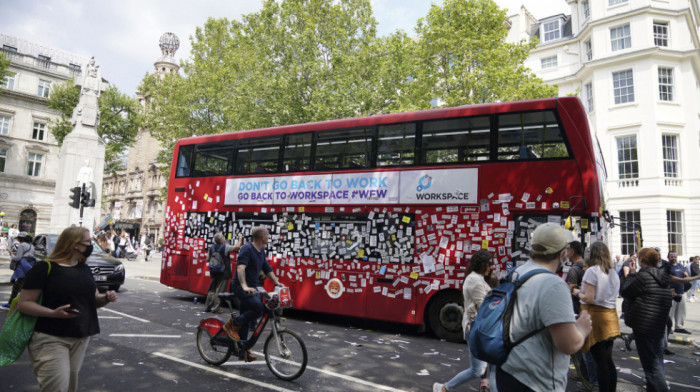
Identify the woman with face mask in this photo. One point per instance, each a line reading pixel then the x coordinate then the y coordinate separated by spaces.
pixel 67 315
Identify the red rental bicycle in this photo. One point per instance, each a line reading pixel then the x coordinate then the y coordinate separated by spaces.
pixel 285 352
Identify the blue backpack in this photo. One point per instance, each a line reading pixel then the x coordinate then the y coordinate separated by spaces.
pixel 489 337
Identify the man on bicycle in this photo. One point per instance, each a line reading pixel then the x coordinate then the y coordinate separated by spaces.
pixel 251 260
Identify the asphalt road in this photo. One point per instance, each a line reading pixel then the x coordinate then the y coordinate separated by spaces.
pixel 147 342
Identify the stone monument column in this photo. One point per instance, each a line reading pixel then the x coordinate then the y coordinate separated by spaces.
pixel 82 155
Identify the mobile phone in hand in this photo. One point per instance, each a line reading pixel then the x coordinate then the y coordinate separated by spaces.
pixel 72 311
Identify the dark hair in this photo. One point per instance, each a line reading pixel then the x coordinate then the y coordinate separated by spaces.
pixel 479 262
pixel 576 247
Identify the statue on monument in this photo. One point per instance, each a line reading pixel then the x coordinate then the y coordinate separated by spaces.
pixel 86 175
pixel 91 86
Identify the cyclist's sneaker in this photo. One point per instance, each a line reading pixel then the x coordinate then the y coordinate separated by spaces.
pixel 232 329
pixel 249 358
pixel 5 307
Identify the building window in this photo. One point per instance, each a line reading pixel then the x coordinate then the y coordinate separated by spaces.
pixel 38 131
pixel 616 2
pixel 627 165
pixel 666 84
pixel 3 159
pixel 10 51
pixel 74 69
pixel 661 33
pixel 588 48
pixel 623 86
pixel 669 145
pixel 44 61
pixel 674 225
pixel 34 164
pixel 549 62
pixel 551 30
pixel 629 224
pixel 4 125
pixel 586 9
pixel 9 82
pixel 588 91
pixel 44 86
pixel 620 37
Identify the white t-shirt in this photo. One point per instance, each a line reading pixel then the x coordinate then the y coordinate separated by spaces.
pixel 474 290
pixel 606 286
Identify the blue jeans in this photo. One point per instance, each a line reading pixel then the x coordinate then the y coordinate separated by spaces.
pixel 591 367
pixel 251 309
pixel 476 370
pixel 651 356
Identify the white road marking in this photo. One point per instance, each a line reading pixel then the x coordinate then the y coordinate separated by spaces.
pixel 684 385
pixel 223 373
pixel 327 372
pixel 111 317
pixel 126 315
pixel 137 335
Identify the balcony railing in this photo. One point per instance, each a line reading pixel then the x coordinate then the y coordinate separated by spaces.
pixel 628 183
pixel 40 63
pixel 673 182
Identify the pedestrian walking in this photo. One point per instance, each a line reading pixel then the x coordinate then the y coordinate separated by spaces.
pixel 598 296
pixel 474 289
pixel 67 316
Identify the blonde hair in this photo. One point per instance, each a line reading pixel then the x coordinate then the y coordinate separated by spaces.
pixel 600 255
pixel 64 248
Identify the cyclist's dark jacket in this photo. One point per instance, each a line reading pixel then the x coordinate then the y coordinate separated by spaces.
pixel 255 262
pixel 650 297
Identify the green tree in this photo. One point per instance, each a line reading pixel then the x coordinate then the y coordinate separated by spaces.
pixel 4 68
pixel 462 58
pixel 119 119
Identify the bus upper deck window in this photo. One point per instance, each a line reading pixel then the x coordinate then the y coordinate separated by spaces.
pixel 184 160
pixel 529 136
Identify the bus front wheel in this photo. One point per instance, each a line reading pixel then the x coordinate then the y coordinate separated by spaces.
pixel 445 316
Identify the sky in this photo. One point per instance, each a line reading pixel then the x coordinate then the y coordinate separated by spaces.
pixel 123 35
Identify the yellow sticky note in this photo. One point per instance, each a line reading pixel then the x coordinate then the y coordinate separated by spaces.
pixel 485 244
pixel 318 274
pixel 290 226
pixel 406 219
pixel 206 196
pixel 229 236
pixel 211 220
pixel 301 209
pixel 348 242
pixel 565 204
pixel 414 275
pixel 393 237
pixel 361 253
pixel 584 223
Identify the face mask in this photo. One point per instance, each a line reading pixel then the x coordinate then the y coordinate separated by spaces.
pixel 660 263
pixel 88 251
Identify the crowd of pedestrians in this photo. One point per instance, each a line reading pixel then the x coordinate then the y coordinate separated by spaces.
pixel 556 321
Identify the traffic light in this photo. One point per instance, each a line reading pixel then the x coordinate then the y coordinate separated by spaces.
pixel 75 197
pixel 85 200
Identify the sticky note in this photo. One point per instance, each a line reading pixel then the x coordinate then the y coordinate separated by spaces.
pixel 361 253
pixel 565 204
pixel 301 209
pixel 229 236
pixel 206 196
pixel 290 226
pixel 484 244
pixel 584 223
pixel 414 275
pixel 406 219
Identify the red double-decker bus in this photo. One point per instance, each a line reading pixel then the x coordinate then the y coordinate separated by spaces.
pixel 376 217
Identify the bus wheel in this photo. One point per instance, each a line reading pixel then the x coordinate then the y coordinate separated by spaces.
pixel 445 316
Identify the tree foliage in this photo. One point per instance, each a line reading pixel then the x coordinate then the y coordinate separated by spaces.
pixel 119 119
pixel 299 61
pixel 4 68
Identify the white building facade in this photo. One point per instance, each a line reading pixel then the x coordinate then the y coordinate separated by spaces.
pixel 28 150
pixel 635 64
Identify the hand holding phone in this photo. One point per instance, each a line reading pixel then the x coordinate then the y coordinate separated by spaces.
pixel 72 311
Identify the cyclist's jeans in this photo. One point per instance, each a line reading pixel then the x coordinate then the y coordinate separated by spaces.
pixel 251 309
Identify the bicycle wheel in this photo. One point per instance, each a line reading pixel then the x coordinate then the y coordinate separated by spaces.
pixel 285 355
pixel 215 354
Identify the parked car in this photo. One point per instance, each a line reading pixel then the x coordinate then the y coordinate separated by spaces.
pixel 107 271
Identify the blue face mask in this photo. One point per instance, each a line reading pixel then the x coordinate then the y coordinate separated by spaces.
pixel 660 263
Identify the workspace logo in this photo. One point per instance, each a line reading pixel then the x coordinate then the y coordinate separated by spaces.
pixel 424 183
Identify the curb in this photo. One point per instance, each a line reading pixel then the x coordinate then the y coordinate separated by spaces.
pixel 683 341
